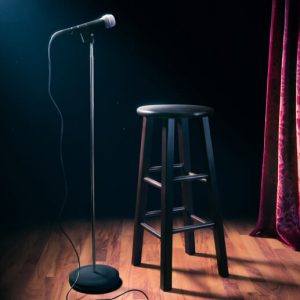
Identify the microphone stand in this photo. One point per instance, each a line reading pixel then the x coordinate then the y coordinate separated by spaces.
pixel 92 145
pixel 93 279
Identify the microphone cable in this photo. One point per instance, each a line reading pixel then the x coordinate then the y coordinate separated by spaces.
pixel 126 292
pixel 66 188
pixel 62 165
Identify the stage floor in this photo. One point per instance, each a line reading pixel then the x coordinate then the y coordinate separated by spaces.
pixel 35 264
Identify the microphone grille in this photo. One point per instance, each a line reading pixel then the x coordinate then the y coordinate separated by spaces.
pixel 109 21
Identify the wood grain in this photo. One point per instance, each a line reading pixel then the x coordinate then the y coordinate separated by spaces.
pixel 35 264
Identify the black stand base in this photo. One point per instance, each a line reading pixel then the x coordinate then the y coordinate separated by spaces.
pixel 99 280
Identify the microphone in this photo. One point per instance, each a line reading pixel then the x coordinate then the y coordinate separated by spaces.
pixel 108 20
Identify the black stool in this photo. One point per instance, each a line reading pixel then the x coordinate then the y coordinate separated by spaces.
pixel 169 114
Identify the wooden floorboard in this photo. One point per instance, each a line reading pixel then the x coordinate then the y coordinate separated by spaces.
pixel 35 264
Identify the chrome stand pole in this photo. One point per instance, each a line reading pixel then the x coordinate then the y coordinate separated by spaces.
pixel 92 147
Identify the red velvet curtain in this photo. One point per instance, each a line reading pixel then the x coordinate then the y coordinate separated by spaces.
pixel 279 214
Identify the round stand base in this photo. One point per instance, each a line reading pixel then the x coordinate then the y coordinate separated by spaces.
pixel 100 279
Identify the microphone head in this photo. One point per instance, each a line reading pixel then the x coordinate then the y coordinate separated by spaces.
pixel 109 21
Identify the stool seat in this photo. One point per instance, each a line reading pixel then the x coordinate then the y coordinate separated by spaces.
pixel 174 111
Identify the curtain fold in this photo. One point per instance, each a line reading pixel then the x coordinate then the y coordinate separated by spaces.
pixel 279 213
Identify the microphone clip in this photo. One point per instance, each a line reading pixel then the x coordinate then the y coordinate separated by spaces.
pixel 86 37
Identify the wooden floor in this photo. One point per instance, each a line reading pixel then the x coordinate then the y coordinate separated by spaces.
pixel 35 264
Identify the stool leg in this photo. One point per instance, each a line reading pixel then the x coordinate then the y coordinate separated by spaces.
pixel 186 187
pixel 141 201
pixel 218 228
pixel 167 204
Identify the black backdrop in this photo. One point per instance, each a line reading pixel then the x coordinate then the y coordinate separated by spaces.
pixel 201 52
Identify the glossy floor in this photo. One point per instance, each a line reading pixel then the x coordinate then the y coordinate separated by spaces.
pixel 35 264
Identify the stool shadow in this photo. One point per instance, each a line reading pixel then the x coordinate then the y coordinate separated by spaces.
pixel 203 294
pixel 275 264
pixel 254 279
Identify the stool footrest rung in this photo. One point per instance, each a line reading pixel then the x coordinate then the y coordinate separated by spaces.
pixel 192 227
pixel 158 168
pixel 191 176
pixel 154 213
pixel 153 182
pixel 198 219
pixel 151 230
pixel 185 228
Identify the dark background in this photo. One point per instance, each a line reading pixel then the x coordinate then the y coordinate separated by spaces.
pixel 200 52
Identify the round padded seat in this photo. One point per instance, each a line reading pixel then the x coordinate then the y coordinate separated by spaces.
pixel 174 111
